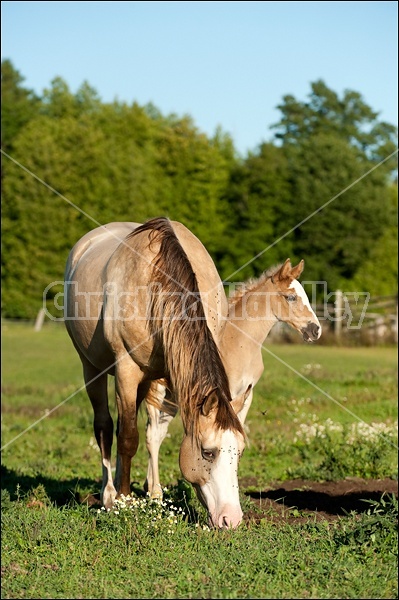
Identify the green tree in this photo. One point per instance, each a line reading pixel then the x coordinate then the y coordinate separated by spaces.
pixel 338 208
pixel 99 177
pixel 121 162
pixel 378 274
pixel 18 104
pixel 58 100
pixel 258 195
pixel 113 162
pixel 348 118
pixel 339 204
pixel 196 172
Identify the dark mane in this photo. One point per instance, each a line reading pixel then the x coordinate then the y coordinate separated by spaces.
pixel 251 284
pixel 178 322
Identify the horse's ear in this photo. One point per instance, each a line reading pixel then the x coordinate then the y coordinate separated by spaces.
pixel 238 403
pixel 285 270
pixel 210 402
pixel 296 271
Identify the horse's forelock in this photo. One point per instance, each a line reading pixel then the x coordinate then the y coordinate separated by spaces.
pixel 226 418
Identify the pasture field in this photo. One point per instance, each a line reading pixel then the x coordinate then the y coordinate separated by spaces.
pixel 308 422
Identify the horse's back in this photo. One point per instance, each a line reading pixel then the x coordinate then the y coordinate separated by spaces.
pixel 107 238
pixel 108 255
pixel 96 248
pixel 101 239
pixel 85 278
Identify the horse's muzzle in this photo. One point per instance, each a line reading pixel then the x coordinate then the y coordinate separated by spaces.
pixel 311 332
pixel 229 518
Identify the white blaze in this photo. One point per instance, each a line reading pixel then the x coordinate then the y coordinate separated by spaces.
pixel 221 490
pixel 300 292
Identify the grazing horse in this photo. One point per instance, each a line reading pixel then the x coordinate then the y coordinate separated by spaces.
pixel 253 309
pixel 134 309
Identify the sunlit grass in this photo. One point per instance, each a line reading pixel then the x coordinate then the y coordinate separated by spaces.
pixel 54 545
pixel 301 384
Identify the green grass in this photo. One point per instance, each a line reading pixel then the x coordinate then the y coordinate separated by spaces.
pixel 74 552
pixel 55 547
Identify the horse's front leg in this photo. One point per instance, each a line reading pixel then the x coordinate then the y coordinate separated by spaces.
pixel 127 378
pixel 156 430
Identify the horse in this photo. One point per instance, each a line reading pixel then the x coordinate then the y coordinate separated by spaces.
pixel 143 303
pixel 253 309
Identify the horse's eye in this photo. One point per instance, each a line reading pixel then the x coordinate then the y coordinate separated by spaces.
pixel 291 298
pixel 208 454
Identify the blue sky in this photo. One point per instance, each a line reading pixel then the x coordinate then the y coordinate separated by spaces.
pixel 223 63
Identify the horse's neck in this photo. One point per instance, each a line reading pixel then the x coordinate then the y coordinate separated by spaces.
pixel 252 315
pixel 248 324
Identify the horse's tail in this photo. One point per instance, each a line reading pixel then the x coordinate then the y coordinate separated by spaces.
pixel 178 321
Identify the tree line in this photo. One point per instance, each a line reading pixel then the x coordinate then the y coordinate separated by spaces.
pixel 322 188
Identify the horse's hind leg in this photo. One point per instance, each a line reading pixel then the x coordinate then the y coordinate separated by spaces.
pixel 96 386
pixel 156 430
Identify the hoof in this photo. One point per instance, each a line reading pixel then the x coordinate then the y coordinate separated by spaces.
pixel 156 493
pixel 108 496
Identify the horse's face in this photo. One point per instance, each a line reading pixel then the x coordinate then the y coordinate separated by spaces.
pixel 291 304
pixel 210 463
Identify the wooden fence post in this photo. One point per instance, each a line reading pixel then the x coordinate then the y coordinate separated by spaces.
pixel 39 320
pixel 338 313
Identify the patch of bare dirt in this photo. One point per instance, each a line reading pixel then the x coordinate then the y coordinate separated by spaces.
pixel 300 500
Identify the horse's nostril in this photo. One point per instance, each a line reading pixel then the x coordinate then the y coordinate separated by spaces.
pixel 230 521
pixel 314 329
pixel 311 332
pixel 228 524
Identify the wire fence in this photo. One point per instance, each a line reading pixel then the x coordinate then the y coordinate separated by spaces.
pixel 350 317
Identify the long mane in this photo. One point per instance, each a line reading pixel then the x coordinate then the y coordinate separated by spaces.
pixel 250 285
pixel 178 322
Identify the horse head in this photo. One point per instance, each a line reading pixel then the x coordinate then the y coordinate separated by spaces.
pixel 209 457
pixel 291 304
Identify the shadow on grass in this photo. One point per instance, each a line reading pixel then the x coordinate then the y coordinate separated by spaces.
pixel 67 492
pixel 321 502
pixel 60 492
